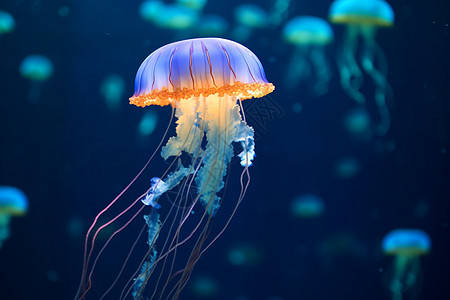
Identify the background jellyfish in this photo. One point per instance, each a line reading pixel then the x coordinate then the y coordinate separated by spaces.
pixel 212 25
pixel 171 16
pixel 112 88
pixel 248 18
pixel 205 287
pixel 148 123
pixel 357 123
pixel 279 11
pixel 197 5
pixel 204 81
pixel 307 206
pixel 406 245
pixel 38 69
pixel 310 35
pixel 245 254
pixel 346 167
pixel 13 202
pixel 362 19
pixel 7 22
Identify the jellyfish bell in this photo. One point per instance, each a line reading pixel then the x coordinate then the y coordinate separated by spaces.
pixel 112 88
pixel 13 202
pixel 406 245
pixel 248 17
pixel 362 19
pixel 7 23
pixel 309 35
pixel 203 81
pixel 36 68
pixel 307 206
pixel 151 10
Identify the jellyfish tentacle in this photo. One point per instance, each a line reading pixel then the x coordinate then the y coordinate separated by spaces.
pixel 372 55
pixel 350 73
pixel 322 70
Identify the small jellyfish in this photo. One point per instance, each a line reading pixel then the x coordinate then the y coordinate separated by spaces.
pixel 37 69
pixel 7 22
pixel 248 17
pixel 197 5
pixel 279 12
pixel 212 25
pixel 310 35
pixel 245 254
pixel 204 82
pixel 362 19
pixel 346 167
pixel 13 202
pixel 357 123
pixel 148 123
pixel 406 245
pixel 112 88
pixel 307 206
pixel 171 16
pixel 151 10
pixel 205 287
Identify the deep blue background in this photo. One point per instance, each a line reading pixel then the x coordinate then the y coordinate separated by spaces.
pixel 71 155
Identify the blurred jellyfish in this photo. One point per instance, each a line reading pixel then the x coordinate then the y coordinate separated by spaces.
pixel 307 206
pixel 148 123
pixel 112 88
pixel 346 167
pixel 406 245
pixel 362 19
pixel 38 69
pixel 170 16
pixel 248 17
pixel 245 254
pixel 357 123
pixel 7 22
pixel 193 4
pixel 279 11
pixel 75 227
pixel 205 287
pixel 204 82
pixel 13 202
pixel 310 35
pixel 212 25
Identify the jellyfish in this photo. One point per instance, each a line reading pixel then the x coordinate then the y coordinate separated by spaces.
pixel 204 81
pixel 245 254
pixel 406 245
pixel 148 123
pixel 248 17
pixel 13 202
pixel 279 11
pixel 151 10
pixel 346 167
pixel 170 16
pixel 310 35
pixel 205 287
pixel 7 22
pixel 357 123
pixel 112 88
pixel 197 5
pixel 212 25
pixel 38 69
pixel 362 19
pixel 307 206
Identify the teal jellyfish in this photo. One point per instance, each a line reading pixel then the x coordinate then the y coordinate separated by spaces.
pixel 248 18
pixel 212 25
pixel 245 254
pixel 357 123
pixel 362 19
pixel 205 287
pixel 307 206
pixel 279 11
pixel 171 16
pixel 310 35
pixel 148 123
pixel 406 245
pixel 197 5
pixel 13 202
pixel 37 69
pixel 346 167
pixel 112 88
pixel 7 22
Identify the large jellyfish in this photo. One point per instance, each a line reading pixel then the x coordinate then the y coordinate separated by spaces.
pixel 406 245
pixel 7 22
pixel 362 19
pixel 248 18
pixel 310 35
pixel 204 81
pixel 13 202
pixel 38 69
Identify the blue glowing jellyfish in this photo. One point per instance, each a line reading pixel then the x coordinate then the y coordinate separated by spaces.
pixel 205 287
pixel 112 88
pixel 212 25
pixel 171 16
pixel 307 206
pixel 346 167
pixel 37 69
pixel 197 5
pixel 13 202
pixel 248 18
pixel 148 123
pixel 7 22
pixel 203 81
pixel 245 254
pixel 406 245
pixel 279 11
pixel 357 123
pixel 310 35
pixel 362 19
